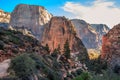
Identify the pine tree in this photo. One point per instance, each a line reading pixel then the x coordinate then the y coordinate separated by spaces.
pixel 56 52
pixel 47 48
pixel 67 49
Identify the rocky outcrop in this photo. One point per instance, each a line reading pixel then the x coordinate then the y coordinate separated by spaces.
pixel 4 17
pixel 111 47
pixel 14 42
pixel 101 29
pixel 86 33
pixel 57 31
pixel 3 68
pixel 22 30
pixel 30 17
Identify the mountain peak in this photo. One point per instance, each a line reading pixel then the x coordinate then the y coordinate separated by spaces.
pixel 24 5
pixel 30 17
pixel 58 30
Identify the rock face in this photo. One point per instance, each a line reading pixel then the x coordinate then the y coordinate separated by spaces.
pixel 111 47
pixel 86 33
pixel 57 31
pixel 3 68
pixel 101 29
pixel 4 17
pixel 14 42
pixel 30 17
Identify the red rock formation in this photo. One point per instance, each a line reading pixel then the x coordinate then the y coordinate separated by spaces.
pixel 111 46
pixel 57 31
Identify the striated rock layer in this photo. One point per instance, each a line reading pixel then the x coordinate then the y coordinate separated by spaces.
pixel 86 33
pixel 30 17
pixel 57 31
pixel 111 47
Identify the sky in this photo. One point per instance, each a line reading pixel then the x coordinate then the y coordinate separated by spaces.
pixel 92 11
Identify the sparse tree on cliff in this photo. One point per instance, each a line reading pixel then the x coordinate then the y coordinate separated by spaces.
pixel 67 49
pixel 47 48
pixel 56 52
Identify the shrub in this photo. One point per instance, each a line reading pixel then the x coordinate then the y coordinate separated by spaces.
pixel 107 75
pixel 97 65
pixel 83 76
pixel 23 66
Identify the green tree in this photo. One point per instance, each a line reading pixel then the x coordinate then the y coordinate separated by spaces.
pixel 47 48
pixel 23 66
pixel 83 76
pixel 106 75
pixel 67 49
pixel 56 52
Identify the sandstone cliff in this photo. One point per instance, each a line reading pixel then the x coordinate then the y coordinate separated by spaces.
pixel 86 33
pixel 57 31
pixel 111 47
pixel 4 17
pixel 30 17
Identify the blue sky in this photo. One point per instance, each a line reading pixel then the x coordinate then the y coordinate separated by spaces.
pixel 92 11
pixel 8 5
pixel 53 6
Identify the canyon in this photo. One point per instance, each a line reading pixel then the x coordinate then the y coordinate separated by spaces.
pixel 33 30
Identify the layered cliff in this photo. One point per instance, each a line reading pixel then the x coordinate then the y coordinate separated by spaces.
pixel 30 17
pixel 111 47
pixel 86 33
pixel 57 31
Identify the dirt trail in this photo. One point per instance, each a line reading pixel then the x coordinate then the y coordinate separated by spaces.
pixel 3 67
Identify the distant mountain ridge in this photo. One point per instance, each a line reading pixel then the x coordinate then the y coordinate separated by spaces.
pixel 101 29
pixel 86 33
pixel 90 34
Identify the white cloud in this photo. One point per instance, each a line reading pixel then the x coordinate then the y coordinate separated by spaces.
pixel 99 11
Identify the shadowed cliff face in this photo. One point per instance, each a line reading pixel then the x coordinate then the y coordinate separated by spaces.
pixel 86 33
pixel 57 31
pixel 111 47
pixel 30 17
pixel 101 29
